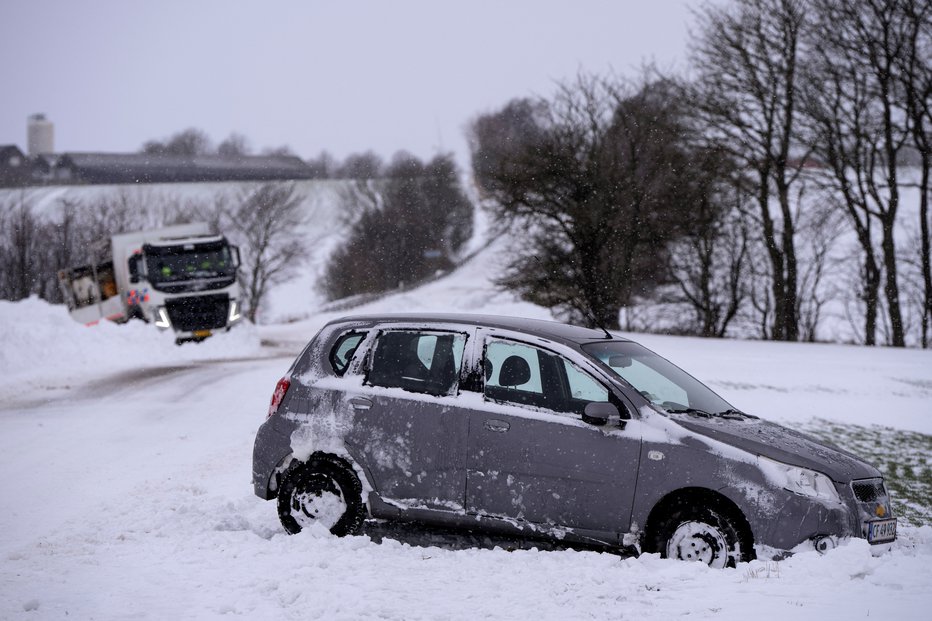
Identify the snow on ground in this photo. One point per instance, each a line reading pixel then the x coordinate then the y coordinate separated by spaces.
pixel 126 465
pixel 45 352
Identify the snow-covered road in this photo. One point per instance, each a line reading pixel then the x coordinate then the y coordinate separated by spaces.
pixel 126 433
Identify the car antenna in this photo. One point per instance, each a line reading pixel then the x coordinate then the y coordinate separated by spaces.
pixel 599 325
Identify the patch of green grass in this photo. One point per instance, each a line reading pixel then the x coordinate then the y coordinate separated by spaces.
pixel 903 457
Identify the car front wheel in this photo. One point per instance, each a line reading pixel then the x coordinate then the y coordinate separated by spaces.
pixel 709 536
pixel 321 491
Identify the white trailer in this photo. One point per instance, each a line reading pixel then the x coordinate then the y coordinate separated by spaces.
pixel 179 277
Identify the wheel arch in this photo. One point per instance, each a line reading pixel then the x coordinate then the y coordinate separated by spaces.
pixel 296 478
pixel 697 496
pixel 290 461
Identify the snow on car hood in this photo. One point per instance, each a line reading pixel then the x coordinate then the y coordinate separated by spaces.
pixel 777 442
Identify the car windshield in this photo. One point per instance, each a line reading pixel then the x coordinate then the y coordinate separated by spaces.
pixel 659 380
pixel 178 263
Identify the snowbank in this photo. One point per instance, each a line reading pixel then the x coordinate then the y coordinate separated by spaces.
pixel 43 347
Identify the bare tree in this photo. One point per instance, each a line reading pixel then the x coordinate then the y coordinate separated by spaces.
pixel 915 73
pixel 855 107
pixel 837 109
pixel 65 244
pixel 20 247
pixel 598 179
pixel 267 222
pixel 234 145
pixel 120 210
pixel 746 62
pixel 709 262
pixel 212 210
pixel 191 141
pixel 324 166
pixel 283 150
pixel 366 165
pixel 819 227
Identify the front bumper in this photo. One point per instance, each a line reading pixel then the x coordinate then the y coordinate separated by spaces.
pixel 796 521
pixel 198 316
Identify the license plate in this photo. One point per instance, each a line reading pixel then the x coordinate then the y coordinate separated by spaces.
pixel 200 333
pixel 881 531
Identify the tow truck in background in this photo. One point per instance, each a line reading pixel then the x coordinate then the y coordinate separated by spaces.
pixel 180 277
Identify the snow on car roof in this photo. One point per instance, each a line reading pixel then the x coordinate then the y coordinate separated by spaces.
pixel 534 327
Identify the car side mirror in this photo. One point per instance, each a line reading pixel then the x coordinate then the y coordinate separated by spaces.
pixel 236 260
pixel 598 413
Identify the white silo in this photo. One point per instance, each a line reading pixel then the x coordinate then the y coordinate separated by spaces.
pixel 40 135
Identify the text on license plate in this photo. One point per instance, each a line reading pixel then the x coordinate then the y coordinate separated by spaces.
pixel 880 531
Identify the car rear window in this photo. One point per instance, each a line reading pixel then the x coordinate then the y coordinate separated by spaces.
pixel 343 350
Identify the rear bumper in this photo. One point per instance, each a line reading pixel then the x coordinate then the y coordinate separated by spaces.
pixel 271 450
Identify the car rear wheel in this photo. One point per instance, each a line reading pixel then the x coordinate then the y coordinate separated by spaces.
pixel 710 536
pixel 321 491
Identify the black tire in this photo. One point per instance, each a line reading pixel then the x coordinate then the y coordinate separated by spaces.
pixel 320 477
pixel 713 535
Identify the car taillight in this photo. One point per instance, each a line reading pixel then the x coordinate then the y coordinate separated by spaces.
pixel 280 389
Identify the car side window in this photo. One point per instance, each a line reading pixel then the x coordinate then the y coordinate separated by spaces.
pixel 522 374
pixel 342 351
pixel 526 375
pixel 425 362
pixel 583 388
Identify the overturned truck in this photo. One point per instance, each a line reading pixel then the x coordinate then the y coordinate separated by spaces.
pixel 179 277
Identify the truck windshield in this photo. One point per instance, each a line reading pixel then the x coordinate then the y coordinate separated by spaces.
pixel 659 380
pixel 189 262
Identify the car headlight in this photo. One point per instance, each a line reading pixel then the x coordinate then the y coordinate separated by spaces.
pixel 798 480
pixel 234 311
pixel 161 318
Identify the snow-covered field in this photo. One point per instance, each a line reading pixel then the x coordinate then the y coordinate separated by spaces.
pixel 126 489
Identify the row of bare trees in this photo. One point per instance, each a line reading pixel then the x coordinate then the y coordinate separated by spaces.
pixel 728 190
pixel 266 221
pixel 781 84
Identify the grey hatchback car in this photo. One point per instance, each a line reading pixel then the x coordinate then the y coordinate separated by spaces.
pixel 544 431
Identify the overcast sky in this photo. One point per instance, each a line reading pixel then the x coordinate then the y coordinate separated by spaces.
pixel 342 76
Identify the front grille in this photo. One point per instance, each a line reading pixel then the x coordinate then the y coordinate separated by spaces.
pixel 200 312
pixel 869 491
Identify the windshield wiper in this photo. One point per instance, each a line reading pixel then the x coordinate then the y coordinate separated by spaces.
pixel 693 411
pixel 730 413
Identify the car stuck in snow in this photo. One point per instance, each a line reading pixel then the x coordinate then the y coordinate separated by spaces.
pixel 545 431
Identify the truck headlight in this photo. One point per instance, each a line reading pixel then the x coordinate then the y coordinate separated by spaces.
pixel 235 313
pixel 161 318
pixel 798 480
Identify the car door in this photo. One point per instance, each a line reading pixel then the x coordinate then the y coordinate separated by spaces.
pixel 531 458
pixel 408 429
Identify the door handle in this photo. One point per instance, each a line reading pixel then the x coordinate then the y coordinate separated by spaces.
pixel 498 426
pixel 360 403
